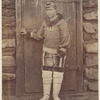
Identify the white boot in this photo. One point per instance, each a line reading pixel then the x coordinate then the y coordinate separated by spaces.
pixel 57 81
pixel 46 90
pixel 47 78
pixel 56 90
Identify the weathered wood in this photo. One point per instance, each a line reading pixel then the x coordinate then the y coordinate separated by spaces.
pixel 33 62
pixel 79 47
pixel 69 83
pixel 29 52
pixel 29 68
pixel 31 15
pixel 19 52
pixel 60 7
pixel 70 69
pixel 32 20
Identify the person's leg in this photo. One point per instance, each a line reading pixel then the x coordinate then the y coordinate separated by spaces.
pixel 47 79
pixel 57 81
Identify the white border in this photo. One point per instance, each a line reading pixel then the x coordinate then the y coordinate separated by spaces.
pixel 1 49
pixel 99 47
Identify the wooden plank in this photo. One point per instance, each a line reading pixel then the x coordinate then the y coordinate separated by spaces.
pixel 60 7
pixel 20 68
pixel 70 69
pixel 38 45
pixel 32 14
pixel 27 19
pixel 72 27
pixel 79 47
pixel 33 55
pixel 69 83
pixel 29 68
pixel 21 55
pixel 67 13
pixel 19 52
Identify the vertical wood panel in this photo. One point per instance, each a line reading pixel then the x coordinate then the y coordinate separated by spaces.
pixel 72 49
pixel 43 14
pixel 60 7
pixel 33 49
pixel 19 52
pixel 32 14
pixel 70 15
pixel 37 66
pixel 29 68
pixel 33 55
pixel 70 83
pixel 79 47
pixel 28 20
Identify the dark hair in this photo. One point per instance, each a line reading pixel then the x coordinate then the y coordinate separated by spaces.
pixel 49 4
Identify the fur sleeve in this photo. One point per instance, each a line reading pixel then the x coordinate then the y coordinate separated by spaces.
pixel 65 35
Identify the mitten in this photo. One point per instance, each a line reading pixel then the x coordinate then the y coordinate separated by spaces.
pixel 62 52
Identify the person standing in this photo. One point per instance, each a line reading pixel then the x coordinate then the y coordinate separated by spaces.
pixel 54 31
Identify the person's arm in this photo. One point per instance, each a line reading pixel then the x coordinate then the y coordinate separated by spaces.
pixel 65 37
pixel 38 35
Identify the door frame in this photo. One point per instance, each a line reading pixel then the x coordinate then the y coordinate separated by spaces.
pixel 79 46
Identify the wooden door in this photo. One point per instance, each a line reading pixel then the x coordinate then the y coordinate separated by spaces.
pixel 30 15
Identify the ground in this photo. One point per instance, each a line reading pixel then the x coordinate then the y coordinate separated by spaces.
pixel 78 96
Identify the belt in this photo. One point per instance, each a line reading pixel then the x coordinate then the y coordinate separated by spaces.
pixel 51 58
pixel 49 50
pixel 49 68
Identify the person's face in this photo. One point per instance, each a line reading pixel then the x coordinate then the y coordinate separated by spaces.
pixel 50 12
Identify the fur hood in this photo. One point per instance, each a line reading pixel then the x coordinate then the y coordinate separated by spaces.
pixel 49 23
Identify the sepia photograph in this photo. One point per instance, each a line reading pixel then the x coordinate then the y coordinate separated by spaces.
pixel 50 50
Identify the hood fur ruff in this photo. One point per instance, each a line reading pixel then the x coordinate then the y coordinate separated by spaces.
pixel 47 20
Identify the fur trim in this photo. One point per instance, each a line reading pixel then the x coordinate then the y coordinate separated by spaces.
pixel 49 23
